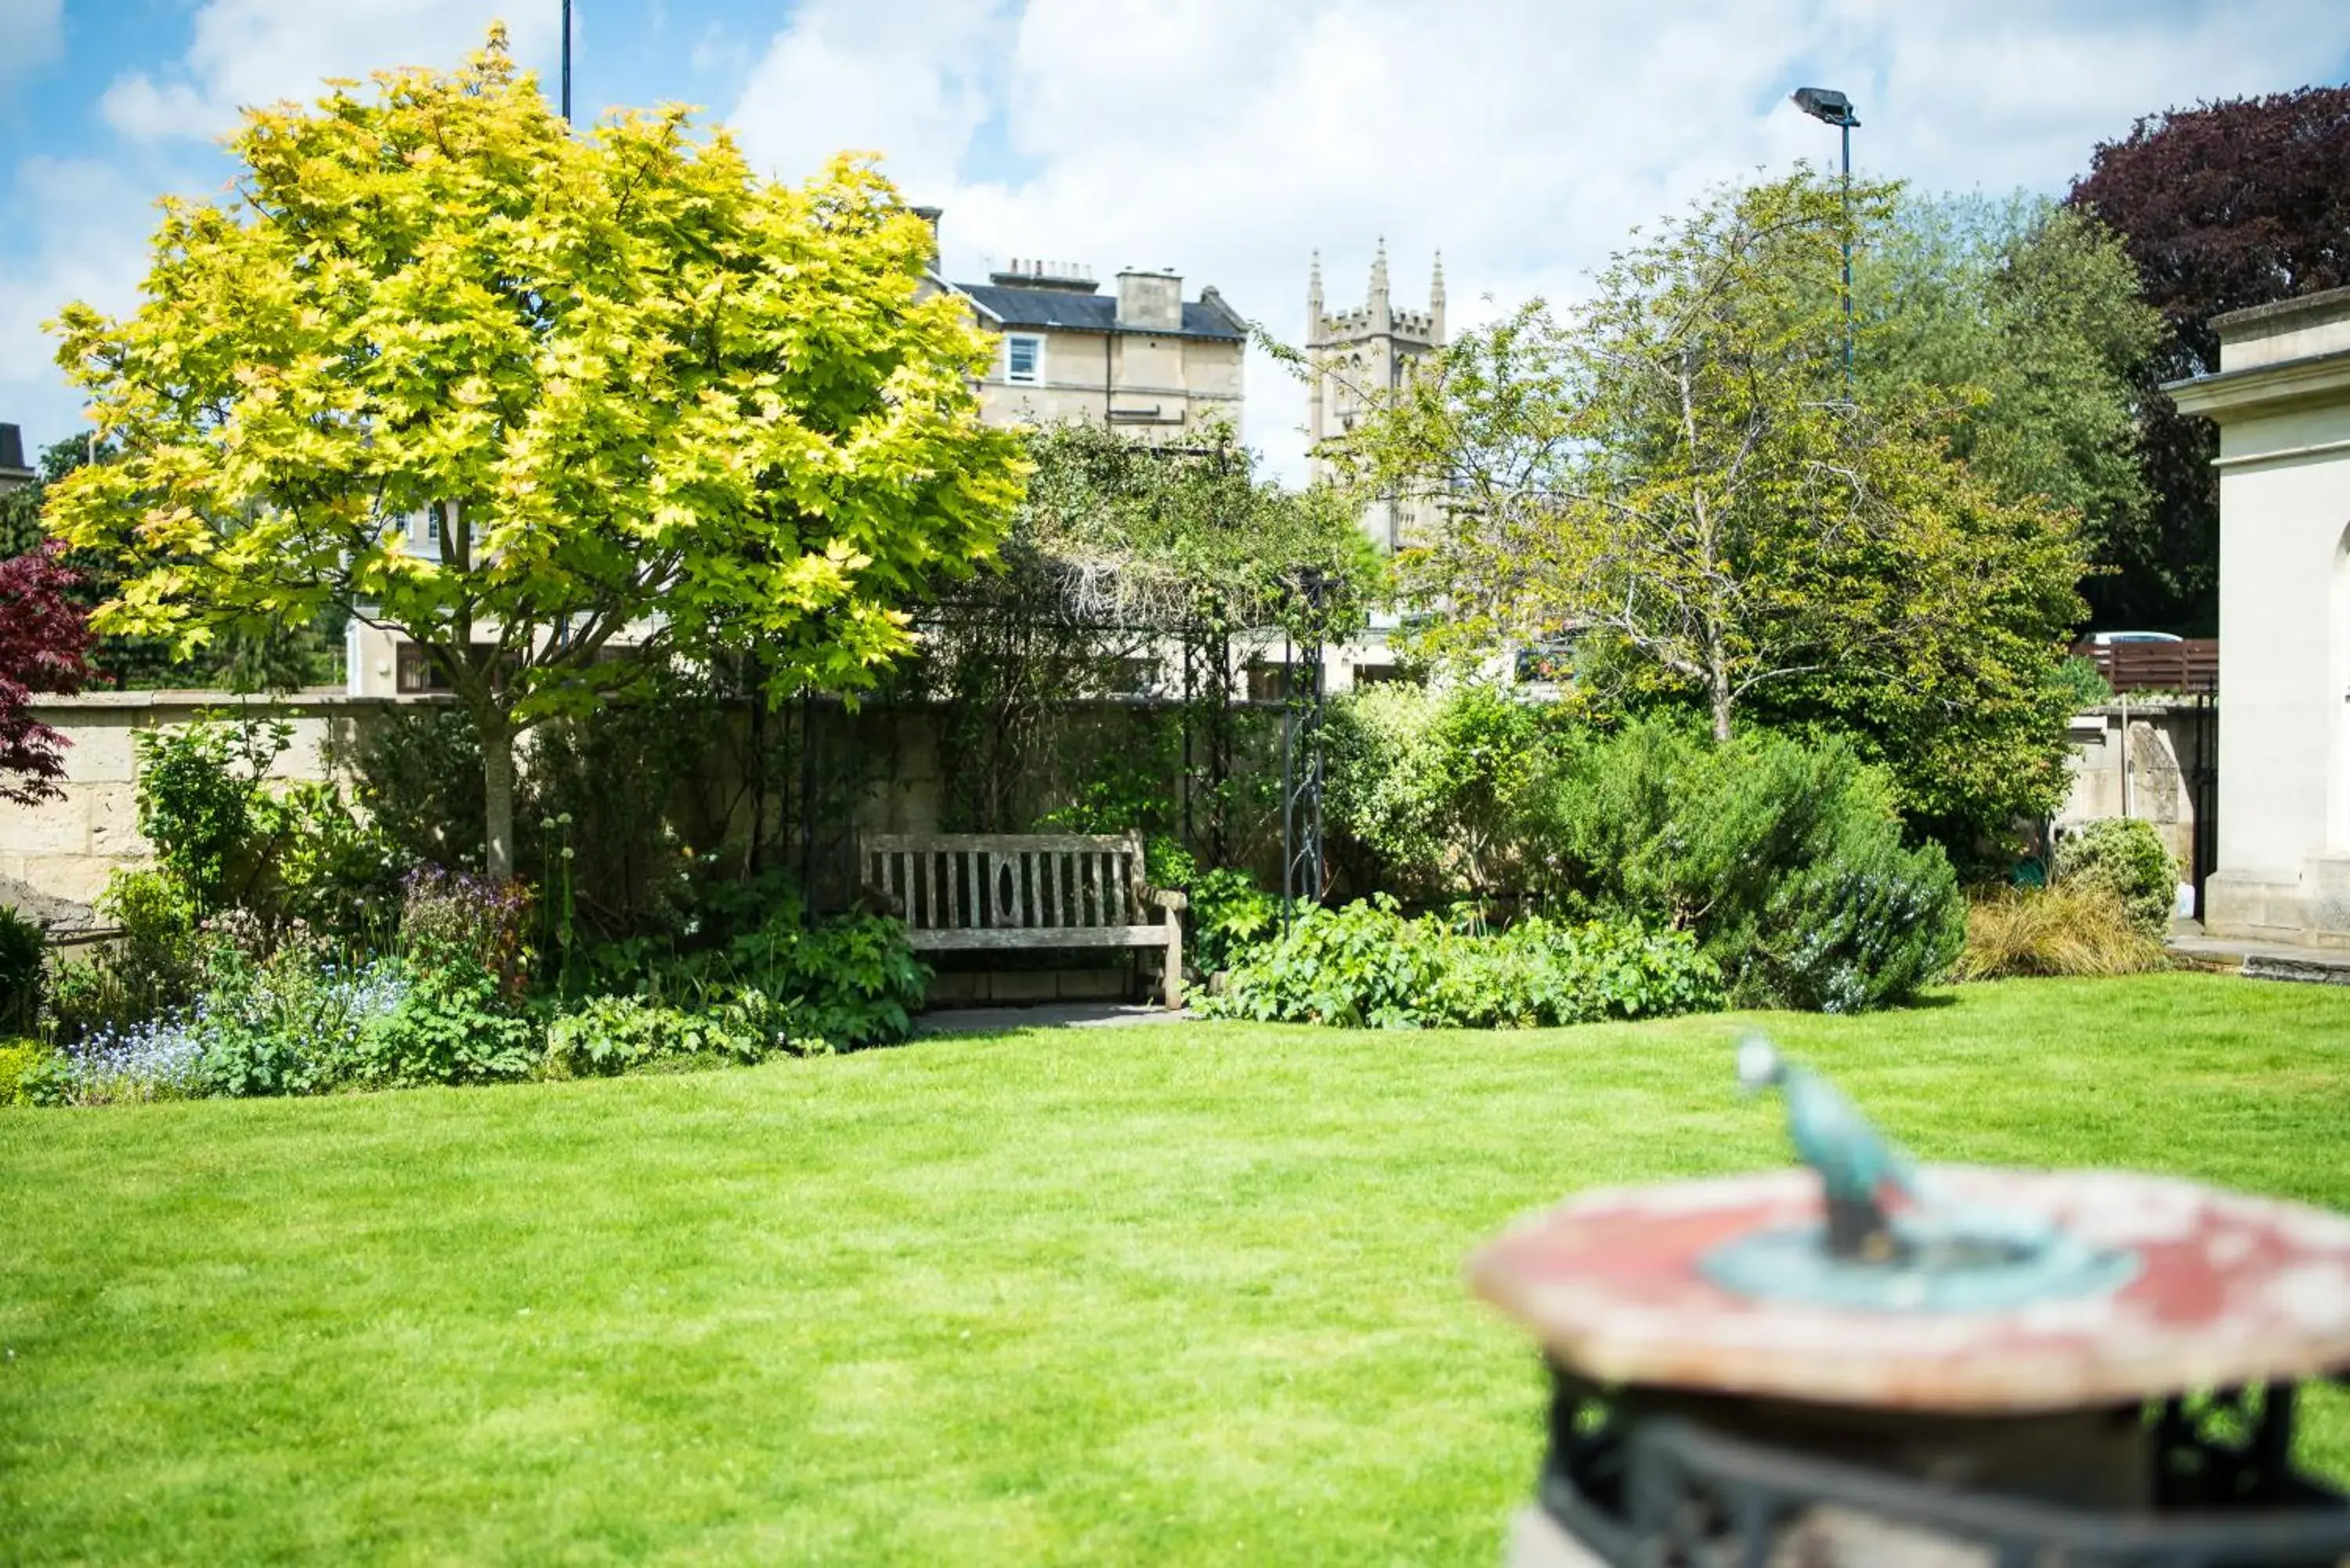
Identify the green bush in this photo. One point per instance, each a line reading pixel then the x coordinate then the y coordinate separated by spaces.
pixel 844 984
pixel 1785 856
pixel 417 773
pixel 23 949
pixel 25 1066
pixel 607 1034
pixel 1868 925
pixel 317 862
pixel 450 1025
pixel 1229 916
pixel 289 1020
pixel 195 791
pixel 153 970
pixel 2082 683
pixel 2127 859
pixel 1367 966
pixel 1436 784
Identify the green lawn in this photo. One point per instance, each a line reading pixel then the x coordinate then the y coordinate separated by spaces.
pixel 1187 1294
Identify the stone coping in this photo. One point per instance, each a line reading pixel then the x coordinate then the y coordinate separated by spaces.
pixel 199 697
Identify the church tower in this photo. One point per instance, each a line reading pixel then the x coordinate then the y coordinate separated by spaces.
pixel 1353 358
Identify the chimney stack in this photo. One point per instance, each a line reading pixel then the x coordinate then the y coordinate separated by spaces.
pixel 932 215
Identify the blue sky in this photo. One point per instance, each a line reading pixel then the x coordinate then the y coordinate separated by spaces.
pixel 1227 139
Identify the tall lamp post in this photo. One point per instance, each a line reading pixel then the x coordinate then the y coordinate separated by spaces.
pixel 566 67
pixel 1832 108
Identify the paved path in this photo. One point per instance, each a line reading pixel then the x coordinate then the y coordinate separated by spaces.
pixel 2260 961
pixel 1045 1015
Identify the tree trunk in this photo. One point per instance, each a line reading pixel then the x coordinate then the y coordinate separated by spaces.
pixel 1718 684
pixel 498 794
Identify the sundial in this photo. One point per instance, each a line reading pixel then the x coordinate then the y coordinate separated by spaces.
pixel 1926 1339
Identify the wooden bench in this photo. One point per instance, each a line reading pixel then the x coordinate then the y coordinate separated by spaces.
pixel 958 891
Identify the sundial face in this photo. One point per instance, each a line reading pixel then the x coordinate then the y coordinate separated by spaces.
pixel 2151 1286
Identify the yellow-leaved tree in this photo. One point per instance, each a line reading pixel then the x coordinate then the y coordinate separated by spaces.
pixel 651 399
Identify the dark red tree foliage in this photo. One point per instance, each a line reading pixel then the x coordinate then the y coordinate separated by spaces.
pixel 2224 206
pixel 43 648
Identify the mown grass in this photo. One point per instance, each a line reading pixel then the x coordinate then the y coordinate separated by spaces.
pixel 1186 1294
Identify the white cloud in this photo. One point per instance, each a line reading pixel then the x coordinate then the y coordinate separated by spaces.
pixel 30 34
pixel 909 77
pixel 93 249
pixel 1524 138
pixel 249 52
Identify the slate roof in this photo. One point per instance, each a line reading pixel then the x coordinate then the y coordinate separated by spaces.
pixel 1070 311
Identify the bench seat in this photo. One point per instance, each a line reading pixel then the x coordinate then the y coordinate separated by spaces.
pixel 1021 891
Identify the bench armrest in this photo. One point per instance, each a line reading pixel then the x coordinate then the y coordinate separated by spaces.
pixel 1170 900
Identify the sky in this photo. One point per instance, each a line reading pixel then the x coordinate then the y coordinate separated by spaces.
pixel 1227 140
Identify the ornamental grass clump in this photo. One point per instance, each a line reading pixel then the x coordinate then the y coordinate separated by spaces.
pixel 2075 928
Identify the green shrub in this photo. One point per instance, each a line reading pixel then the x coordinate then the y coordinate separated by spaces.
pixel 417 773
pixel 1435 785
pixel 1868 925
pixel 846 984
pixel 2074 928
pixel 1367 966
pixel 450 1025
pixel 1785 856
pixel 153 970
pixel 23 949
pixel 2127 859
pixel 293 1021
pixel 195 791
pixel 25 1068
pixel 2082 684
pixel 608 1034
pixel 320 864
pixel 1229 916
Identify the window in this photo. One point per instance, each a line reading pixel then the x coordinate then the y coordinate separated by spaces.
pixel 1024 359
pixel 417 672
pixel 432 526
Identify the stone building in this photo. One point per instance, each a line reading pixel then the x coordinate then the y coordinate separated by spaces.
pixel 1354 357
pixel 1143 359
pixel 2282 400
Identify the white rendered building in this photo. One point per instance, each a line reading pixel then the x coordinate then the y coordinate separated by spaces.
pixel 2282 399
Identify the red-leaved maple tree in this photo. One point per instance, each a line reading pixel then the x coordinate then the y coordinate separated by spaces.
pixel 2224 206
pixel 43 648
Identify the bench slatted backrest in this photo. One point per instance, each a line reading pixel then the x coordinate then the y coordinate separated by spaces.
pixel 993 881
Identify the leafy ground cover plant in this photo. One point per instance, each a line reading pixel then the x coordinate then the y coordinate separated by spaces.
pixel 1367 966
pixel 23 1067
pixel 2127 859
pixel 2074 928
pixel 837 985
pixel 608 1034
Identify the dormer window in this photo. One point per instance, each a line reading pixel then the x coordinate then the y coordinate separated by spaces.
pixel 1024 359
